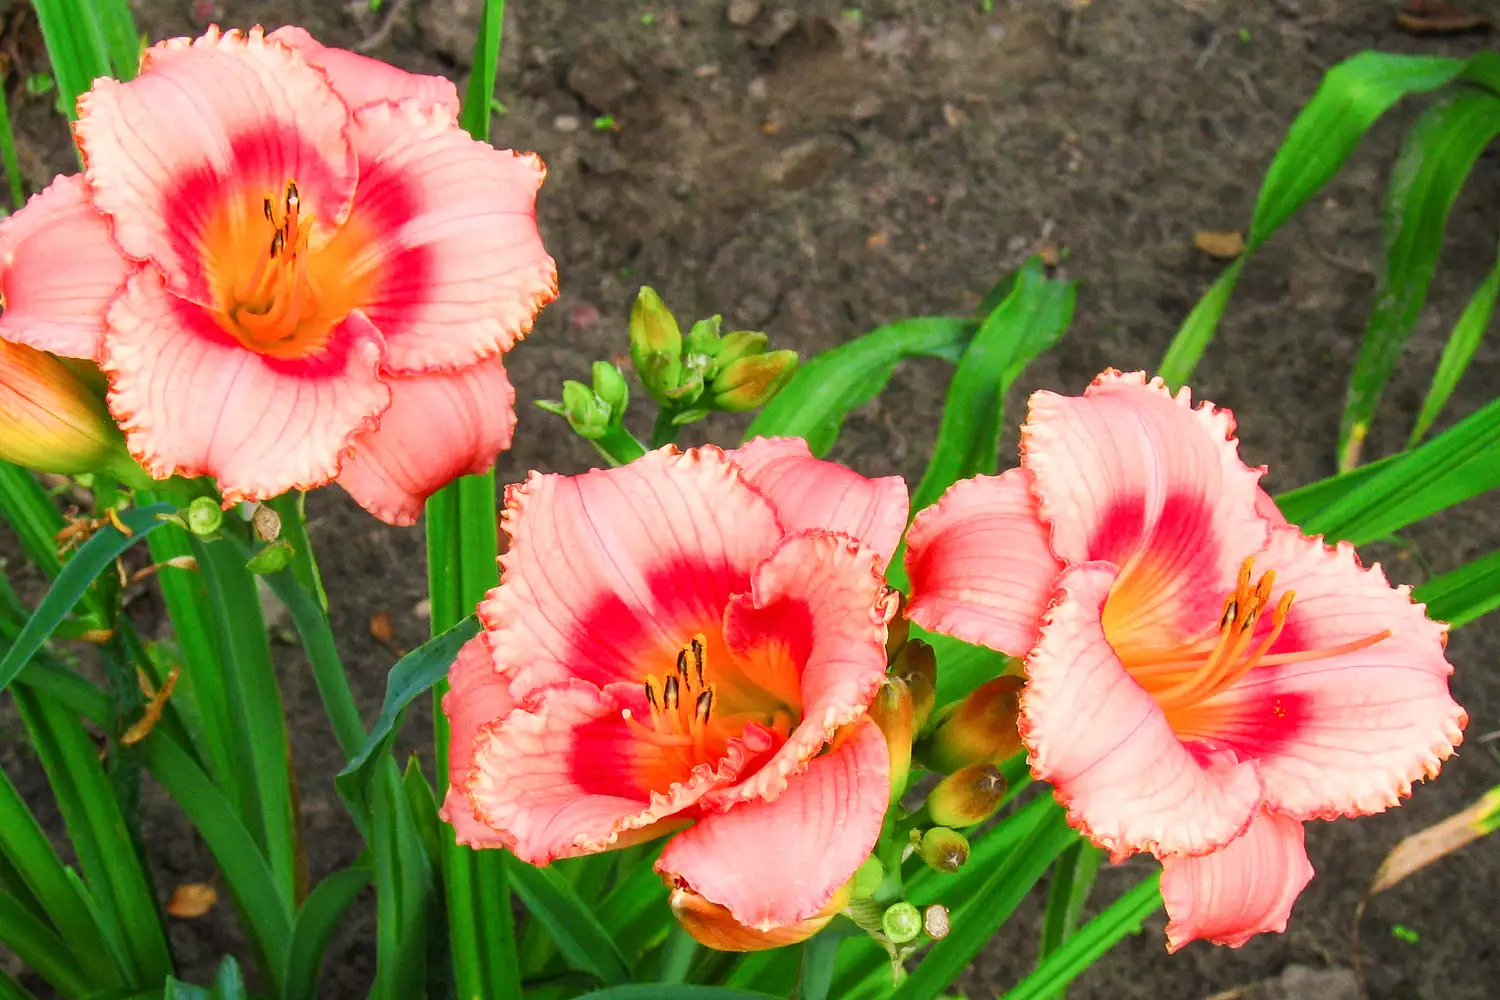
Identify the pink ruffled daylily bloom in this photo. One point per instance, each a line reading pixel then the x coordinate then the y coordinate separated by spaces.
pixel 292 264
pixel 1201 677
pixel 689 641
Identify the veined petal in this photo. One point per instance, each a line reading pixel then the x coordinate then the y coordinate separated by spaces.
pixel 193 402
pixel 568 776
pixel 812 632
pixel 477 696
pixel 440 426
pixel 1095 734
pixel 609 573
pixel 360 80
pixel 775 863
pixel 979 564
pixel 1247 888
pixel 446 228
pixel 1345 734
pixel 1130 474
pixel 184 153
pixel 810 494
pixel 58 271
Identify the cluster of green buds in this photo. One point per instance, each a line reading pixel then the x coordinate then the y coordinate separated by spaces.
pixel 593 411
pixel 692 376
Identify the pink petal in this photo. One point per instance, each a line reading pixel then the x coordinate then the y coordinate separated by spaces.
pixel 58 271
pixel 1345 734
pixel 1247 888
pixel 609 573
pixel 979 564
pixel 1267 509
pixel 775 863
pixel 814 625
pixel 184 153
pixel 439 427
pixel 446 226
pixel 477 696
pixel 360 80
pixel 568 776
pixel 1130 474
pixel 1107 749
pixel 811 494
pixel 193 402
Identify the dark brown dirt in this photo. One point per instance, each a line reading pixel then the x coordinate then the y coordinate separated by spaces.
pixel 815 169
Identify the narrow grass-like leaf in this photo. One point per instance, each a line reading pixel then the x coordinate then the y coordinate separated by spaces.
pixel 1088 945
pixel 815 978
pixel 92 558
pixel 1028 321
pixel 1458 351
pixel 38 946
pixel 1072 878
pixel 826 389
pixel 579 935
pixel 403 890
pixel 1299 504
pixel 671 991
pixel 12 990
pixel 76 46
pixel 1352 97
pixel 229 983
pixel 316 920
pixel 32 516
pixel 1435 161
pixel 9 159
pixel 1462 595
pixel 122 40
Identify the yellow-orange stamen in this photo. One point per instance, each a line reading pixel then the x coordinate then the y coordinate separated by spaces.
pixel 269 306
pixel 681 705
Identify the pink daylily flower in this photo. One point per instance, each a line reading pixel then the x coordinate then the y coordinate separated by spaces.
pixel 284 255
pixel 689 642
pixel 1201 677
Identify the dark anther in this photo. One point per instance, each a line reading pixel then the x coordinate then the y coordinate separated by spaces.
pixel 682 670
pixel 704 705
pixel 292 197
pixel 1231 610
pixel 698 657
pixel 278 242
pixel 270 215
pixel 669 694
pixel 651 695
pixel 1250 618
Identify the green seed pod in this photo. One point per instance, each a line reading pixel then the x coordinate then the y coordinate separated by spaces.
pixel 204 516
pixel 901 922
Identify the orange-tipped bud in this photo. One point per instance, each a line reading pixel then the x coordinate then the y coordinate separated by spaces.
pixel 967 796
pixel 752 381
pixel 898 630
pixel 916 665
pixel 712 925
pixel 891 711
pixel 50 420
pixel 944 850
pixel 979 729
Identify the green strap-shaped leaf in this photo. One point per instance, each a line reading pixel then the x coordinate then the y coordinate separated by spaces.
pixel 1091 941
pixel 1353 95
pixel 1072 878
pixel 229 983
pixel 315 924
pixel 32 515
pixel 580 937
pixel 826 389
pixel 1458 352
pixel 1438 155
pixel 1462 595
pixel 92 558
pixel 1027 322
pixel 670 991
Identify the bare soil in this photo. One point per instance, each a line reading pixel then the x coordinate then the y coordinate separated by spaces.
pixel 816 169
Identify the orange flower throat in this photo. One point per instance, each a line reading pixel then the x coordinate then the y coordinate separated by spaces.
pixel 681 705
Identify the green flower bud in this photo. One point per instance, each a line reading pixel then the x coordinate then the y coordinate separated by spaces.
pixel 586 413
pixel 740 344
pixel 979 729
pixel 967 796
pixel 944 850
pixel 916 664
pixel 891 711
pixel 611 388
pixel 703 338
pixel 204 516
pixel 868 878
pixel 687 393
pixel 272 559
pixel 655 344
pixel 750 382
pixel 901 922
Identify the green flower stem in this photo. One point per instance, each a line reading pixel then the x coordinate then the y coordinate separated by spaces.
pixel 618 446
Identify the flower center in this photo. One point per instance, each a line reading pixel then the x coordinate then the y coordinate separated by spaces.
pixel 1191 674
pixel 681 705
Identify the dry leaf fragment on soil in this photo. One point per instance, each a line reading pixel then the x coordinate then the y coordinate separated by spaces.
pixel 1426 846
pixel 154 706
pixel 1220 246
pixel 380 628
pixel 1439 17
pixel 193 899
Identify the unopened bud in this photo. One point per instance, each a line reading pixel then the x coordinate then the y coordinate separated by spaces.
pixel 868 878
pixel 751 382
pixel 272 559
pixel 703 338
pixel 740 344
pixel 687 392
pixel 584 411
pixel 898 630
pixel 967 796
pixel 611 388
pixel 979 729
pixel 916 664
pixel 901 922
pixel 891 711
pixel 935 921
pixel 267 523
pixel 204 516
pixel 944 850
pixel 655 344
pixel 50 421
